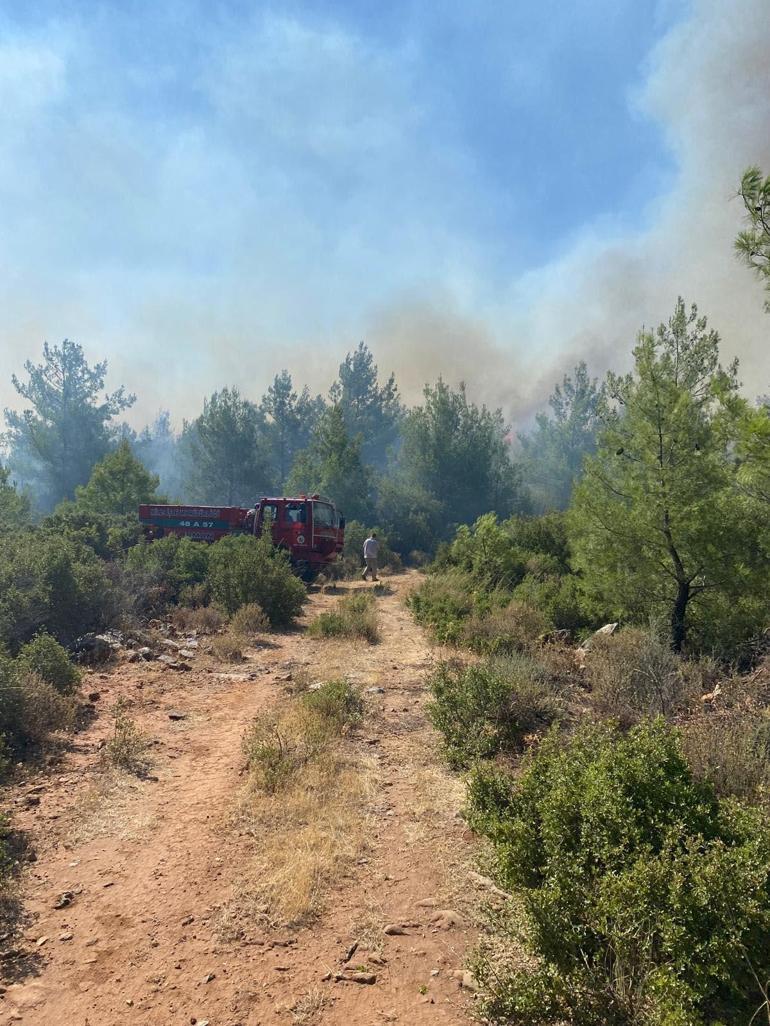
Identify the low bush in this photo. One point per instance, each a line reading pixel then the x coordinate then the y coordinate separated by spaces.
pixel 249 620
pixel 514 628
pixel 162 571
pixel 244 569
pixel 31 709
pixel 646 900
pixel 228 647
pixel 444 601
pixel 488 709
pixel 633 674
pixel 201 619
pixel 337 702
pixel 51 584
pixel 44 656
pixel 354 616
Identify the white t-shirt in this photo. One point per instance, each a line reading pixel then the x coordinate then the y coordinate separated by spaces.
pixel 371 547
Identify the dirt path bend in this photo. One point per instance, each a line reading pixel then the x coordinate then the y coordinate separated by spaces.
pixel 133 882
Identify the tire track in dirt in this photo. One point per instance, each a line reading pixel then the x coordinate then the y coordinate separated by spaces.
pixel 154 866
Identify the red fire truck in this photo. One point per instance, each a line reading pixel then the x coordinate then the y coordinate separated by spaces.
pixel 309 527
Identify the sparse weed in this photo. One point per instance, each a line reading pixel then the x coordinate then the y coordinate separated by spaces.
pixel 337 702
pixel 514 628
pixel 127 748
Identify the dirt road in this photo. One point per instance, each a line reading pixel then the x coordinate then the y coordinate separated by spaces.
pixel 129 904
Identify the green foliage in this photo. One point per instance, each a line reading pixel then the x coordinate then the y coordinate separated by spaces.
pixel 371 411
pixel 292 417
pixel 411 517
pixel 354 616
pixel 31 709
pixel 753 244
pixel 487 709
pixel 65 428
pixel 458 454
pixel 118 484
pixel 646 900
pixel 244 569
pixel 46 658
pixel 162 571
pixel 657 521
pixel 14 505
pixel 225 452
pixel 109 536
pixel 50 583
pixel 444 601
pixel 552 454
pixel 332 465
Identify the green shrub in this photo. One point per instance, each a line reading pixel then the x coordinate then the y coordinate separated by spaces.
pixel 354 616
pixel 646 901
pixel 244 569
pixel 49 660
pixel 487 709
pixel 52 584
pixel 109 536
pixel 633 674
pixel 162 571
pixel 31 709
pixel 514 628
pixel 445 600
pixel 249 620
pixel 338 702
pixel 560 599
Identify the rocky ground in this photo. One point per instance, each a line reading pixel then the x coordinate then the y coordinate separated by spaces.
pixel 132 901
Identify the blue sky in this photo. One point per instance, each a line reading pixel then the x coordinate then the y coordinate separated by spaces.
pixel 206 192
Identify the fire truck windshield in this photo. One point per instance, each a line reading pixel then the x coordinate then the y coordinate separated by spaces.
pixel 323 515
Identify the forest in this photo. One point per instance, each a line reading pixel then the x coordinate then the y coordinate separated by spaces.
pixel 620 778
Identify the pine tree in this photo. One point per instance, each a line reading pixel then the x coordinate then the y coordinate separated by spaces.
pixel 657 521
pixel 66 428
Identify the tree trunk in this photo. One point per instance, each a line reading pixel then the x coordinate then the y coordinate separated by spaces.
pixel 678 621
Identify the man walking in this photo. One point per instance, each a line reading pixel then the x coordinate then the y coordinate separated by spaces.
pixel 371 548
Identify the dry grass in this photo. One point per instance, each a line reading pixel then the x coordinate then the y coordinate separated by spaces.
pixel 203 619
pixel 305 808
pixel 127 748
pixel 305 1011
pixel 108 809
